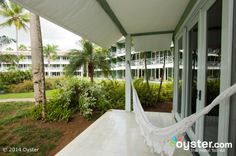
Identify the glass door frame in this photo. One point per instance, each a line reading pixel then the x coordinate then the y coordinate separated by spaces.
pixel 198 13
pixel 178 115
pixel 194 20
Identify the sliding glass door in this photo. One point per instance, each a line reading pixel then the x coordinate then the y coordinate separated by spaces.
pixel 192 74
pixel 213 69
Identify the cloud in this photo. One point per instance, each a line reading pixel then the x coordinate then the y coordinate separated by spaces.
pixel 51 34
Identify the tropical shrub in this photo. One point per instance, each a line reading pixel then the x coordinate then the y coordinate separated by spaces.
pixel 86 103
pixel 114 92
pixel 14 77
pixel 148 96
pixel 27 85
pixel 80 95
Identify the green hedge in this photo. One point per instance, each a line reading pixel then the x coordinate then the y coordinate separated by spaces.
pixel 27 85
pixel 13 77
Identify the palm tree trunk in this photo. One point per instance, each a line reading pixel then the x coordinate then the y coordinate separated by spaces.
pixel 162 77
pixel 37 62
pixel 146 72
pixel 49 74
pixel 17 48
pixel 91 71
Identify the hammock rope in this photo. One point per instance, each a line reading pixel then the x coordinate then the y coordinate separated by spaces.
pixel 159 139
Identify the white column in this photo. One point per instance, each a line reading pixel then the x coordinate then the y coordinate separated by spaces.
pixel 127 68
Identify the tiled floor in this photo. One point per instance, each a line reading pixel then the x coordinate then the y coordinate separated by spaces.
pixel 116 134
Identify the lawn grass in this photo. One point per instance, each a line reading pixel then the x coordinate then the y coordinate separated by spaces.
pixel 49 93
pixel 19 132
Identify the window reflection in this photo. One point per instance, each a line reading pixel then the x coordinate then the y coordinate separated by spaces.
pixel 213 70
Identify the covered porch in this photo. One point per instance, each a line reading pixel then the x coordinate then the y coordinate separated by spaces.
pixel 116 133
pixel 147 26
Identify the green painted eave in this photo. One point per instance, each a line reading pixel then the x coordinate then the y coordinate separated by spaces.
pixel 153 33
pixel 105 6
pixel 185 14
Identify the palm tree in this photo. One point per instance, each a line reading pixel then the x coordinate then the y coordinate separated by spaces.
pixel 90 57
pixel 22 47
pixel 162 78
pixel 4 40
pixel 37 62
pixel 15 15
pixel 3 3
pixel 50 51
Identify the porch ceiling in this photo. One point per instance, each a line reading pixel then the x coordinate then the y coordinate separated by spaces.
pixel 105 21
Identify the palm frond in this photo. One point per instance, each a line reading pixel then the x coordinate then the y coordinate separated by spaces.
pixel 15 15
pixel 76 62
pixel 101 61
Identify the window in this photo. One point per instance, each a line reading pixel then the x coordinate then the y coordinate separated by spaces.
pixel 213 68
pixel 192 71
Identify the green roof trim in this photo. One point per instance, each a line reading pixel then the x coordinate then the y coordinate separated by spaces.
pixel 105 6
pixel 153 33
pixel 185 14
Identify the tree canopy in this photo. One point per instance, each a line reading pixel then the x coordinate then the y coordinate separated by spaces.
pixel 90 57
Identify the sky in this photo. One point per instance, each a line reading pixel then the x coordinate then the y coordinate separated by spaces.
pixel 51 34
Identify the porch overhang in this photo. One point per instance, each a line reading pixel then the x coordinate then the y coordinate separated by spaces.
pixel 105 21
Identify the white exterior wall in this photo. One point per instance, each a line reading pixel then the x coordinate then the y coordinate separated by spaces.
pixel 57 66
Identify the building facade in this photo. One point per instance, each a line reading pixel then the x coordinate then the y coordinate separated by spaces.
pixel 54 68
pixel 154 60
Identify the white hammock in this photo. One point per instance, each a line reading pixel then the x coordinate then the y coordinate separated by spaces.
pixel 159 139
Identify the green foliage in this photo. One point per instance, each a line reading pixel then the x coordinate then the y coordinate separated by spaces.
pixel 15 132
pixel 114 92
pixel 148 97
pixel 50 51
pixel 4 40
pixel 13 77
pixel 14 15
pixel 90 58
pixel 27 85
pixel 9 58
pixel 12 112
pixel 22 47
pixel 36 113
pixel 86 103
pixel 49 94
pixel 63 103
pixel 213 90
pixel 81 95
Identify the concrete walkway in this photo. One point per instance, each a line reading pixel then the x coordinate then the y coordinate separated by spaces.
pixel 18 100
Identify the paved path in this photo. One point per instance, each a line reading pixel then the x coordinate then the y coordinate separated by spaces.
pixel 18 100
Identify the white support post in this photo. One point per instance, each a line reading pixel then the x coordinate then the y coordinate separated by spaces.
pixel 127 68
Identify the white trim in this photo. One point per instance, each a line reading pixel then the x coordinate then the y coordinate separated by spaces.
pixel 190 25
pixel 227 29
pixel 226 55
pixel 184 90
pixel 127 68
pixel 202 58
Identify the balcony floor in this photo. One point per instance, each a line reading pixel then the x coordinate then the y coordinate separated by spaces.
pixel 116 134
